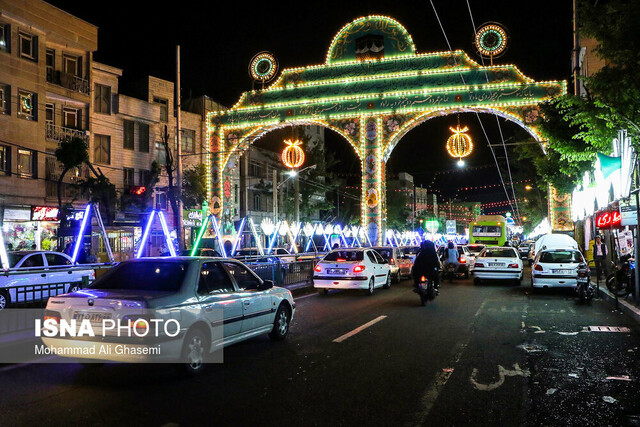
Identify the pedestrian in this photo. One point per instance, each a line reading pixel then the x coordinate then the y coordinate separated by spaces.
pixel 600 252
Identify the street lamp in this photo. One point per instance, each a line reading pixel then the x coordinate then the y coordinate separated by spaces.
pixel 292 173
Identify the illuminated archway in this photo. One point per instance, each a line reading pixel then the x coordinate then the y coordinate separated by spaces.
pixel 372 89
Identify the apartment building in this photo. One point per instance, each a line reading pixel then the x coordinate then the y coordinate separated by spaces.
pixel 45 81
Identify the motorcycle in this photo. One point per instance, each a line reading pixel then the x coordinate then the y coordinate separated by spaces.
pixel 426 289
pixel 623 281
pixel 584 287
pixel 450 271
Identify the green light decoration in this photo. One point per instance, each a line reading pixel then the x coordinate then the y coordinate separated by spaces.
pixel 372 103
pixel 491 40
pixel 263 67
pixel 432 225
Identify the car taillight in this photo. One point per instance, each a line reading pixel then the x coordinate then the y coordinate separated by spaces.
pixel 341 260
pixel 479 264
pixel 538 267
pixel 392 261
pixel 423 279
pixel 514 265
pixel 318 268
pixel 462 260
pixel 358 269
pixel 52 317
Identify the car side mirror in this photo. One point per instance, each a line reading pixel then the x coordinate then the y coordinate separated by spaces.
pixel 267 284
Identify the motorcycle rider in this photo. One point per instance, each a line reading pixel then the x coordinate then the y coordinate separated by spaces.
pixel 451 257
pixel 426 264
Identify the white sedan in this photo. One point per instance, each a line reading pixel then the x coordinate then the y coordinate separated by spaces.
pixel 498 263
pixel 556 268
pixel 358 268
pixel 211 302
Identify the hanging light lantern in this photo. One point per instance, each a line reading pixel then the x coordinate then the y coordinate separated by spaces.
pixel 459 144
pixel 293 155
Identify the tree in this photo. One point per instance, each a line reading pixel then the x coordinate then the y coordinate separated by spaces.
pixel 142 201
pixel 173 193
pixel 576 127
pixel 194 186
pixel 72 153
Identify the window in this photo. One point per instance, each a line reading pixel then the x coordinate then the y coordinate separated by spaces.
pixel 161 154
pixel 145 178
pixel 28 46
pixel 214 279
pixel 56 259
pixel 345 256
pixel 164 108
pixel 71 118
pixel 72 65
pixel 128 127
pixel 27 105
pixel 379 259
pixel 102 150
pixel 5 37
pixel 5 99
pixel 143 137
pixel 102 99
pixel 256 202
pixel 26 163
pixel 50 113
pixel 50 59
pixel 188 141
pixel 144 275
pixel 129 174
pixel 372 257
pixel 34 260
pixel 5 160
pixel 244 278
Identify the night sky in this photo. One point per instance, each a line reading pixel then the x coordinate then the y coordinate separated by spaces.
pixel 218 39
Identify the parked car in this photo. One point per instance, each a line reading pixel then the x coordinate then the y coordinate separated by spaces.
pixel 411 252
pixel 40 275
pixel 463 258
pixel 498 263
pixel 195 290
pixel 553 241
pixel 399 264
pixel 206 252
pixel 523 250
pixel 556 268
pixel 357 268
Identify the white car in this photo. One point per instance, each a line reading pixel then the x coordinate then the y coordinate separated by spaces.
pixel 38 275
pixel 358 268
pixel 498 263
pixel 218 302
pixel 556 268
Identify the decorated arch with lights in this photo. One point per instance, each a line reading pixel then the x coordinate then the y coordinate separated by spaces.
pixel 372 89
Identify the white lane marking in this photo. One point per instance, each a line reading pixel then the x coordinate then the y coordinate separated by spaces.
pixel 516 371
pixel 435 387
pixel 607 329
pixel 359 329
pixel 305 296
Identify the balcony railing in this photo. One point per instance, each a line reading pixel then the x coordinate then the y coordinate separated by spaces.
pixel 68 81
pixel 58 133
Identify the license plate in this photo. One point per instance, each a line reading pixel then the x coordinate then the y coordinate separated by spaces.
pixel 496 264
pixel 93 317
pixel 560 271
pixel 337 270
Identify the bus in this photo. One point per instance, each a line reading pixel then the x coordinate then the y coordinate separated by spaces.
pixel 489 230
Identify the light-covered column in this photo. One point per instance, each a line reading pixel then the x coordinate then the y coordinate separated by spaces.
pixel 372 201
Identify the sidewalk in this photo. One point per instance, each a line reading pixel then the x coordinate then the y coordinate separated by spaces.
pixel 627 305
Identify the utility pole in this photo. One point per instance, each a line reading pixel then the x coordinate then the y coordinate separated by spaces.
pixel 296 192
pixel 275 196
pixel 179 228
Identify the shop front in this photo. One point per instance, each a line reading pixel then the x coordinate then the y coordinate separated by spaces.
pixel 30 227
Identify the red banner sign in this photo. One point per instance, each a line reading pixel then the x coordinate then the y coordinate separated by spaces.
pixel 44 213
pixel 609 220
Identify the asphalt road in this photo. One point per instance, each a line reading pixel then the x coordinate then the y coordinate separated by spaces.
pixel 492 354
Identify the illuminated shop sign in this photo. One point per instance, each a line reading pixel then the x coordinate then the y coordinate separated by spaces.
pixel 609 220
pixel 44 213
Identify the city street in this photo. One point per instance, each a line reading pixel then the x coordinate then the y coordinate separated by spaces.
pixel 491 354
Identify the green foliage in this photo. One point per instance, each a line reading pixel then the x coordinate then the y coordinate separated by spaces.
pixel 194 186
pixel 72 152
pixel 102 191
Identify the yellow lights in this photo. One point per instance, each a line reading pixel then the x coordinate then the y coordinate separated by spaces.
pixel 263 67
pixel 459 144
pixel 491 40
pixel 293 155
pixel 528 187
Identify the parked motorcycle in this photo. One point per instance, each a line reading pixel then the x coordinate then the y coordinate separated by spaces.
pixel 584 287
pixel 623 281
pixel 426 289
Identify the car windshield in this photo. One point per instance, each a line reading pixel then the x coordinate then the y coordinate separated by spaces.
pixel 475 248
pixel 144 276
pixel 345 256
pixel 561 256
pixel 411 249
pixel 498 253
pixel 385 253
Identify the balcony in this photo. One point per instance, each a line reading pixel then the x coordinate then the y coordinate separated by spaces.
pixel 68 81
pixel 58 133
